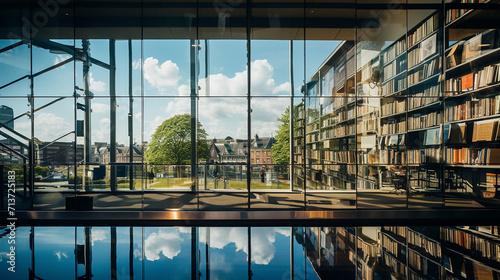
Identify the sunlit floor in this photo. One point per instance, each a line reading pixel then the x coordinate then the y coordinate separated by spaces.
pixel 258 200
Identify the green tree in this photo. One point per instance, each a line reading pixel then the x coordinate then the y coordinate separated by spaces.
pixel 171 143
pixel 41 170
pixel 280 151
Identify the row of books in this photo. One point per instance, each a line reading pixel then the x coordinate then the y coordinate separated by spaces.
pixel 392 86
pixel 392 141
pixel 431 247
pixel 392 157
pixel 350 66
pixel 425 29
pixel 340 156
pixel 417 55
pixel 391 108
pixel 401 231
pixel 364 158
pixel 390 70
pixel 396 49
pixel 473 156
pixel 329 121
pixel 453 14
pixel 365 109
pixel 417 262
pixel 391 246
pixel 486 76
pixel 428 92
pixel 312 138
pixel 367 125
pixel 473 109
pixel 393 126
pixel 485 246
pixel 341 131
pixel 418 121
pixel 428 70
pixel 427 155
pixel 417 102
pixel 395 265
pixel 313 154
pixel 368 248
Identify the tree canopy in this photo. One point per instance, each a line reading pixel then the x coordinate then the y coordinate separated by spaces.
pixel 171 142
pixel 280 151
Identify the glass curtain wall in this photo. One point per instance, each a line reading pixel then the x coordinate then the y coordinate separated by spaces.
pixel 248 105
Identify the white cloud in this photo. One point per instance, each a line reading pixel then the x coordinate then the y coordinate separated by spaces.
pixel 220 117
pixel 99 235
pixel 60 255
pixel 284 87
pixel 136 64
pixel 96 86
pixel 101 132
pixel 262 82
pixel 263 239
pixel 166 242
pixel 48 127
pixel 99 108
pixel 60 58
pixel 152 125
pixel 163 77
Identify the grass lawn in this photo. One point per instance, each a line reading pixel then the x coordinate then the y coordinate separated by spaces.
pixel 185 183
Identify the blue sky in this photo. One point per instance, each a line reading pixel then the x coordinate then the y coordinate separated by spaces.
pixel 166 68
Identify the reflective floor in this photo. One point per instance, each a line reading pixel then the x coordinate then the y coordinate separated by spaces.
pixel 385 252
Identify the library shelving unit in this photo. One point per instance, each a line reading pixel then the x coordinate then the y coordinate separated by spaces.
pixel 424 252
pixel 330 123
pixel 394 250
pixel 470 253
pixel 298 145
pixel 418 115
pixel 471 101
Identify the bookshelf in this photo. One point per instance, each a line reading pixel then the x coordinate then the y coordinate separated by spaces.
pixel 406 114
pixel 471 101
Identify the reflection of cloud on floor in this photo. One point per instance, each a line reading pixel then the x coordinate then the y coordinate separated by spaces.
pixel 99 235
pixel 166 241
pixel 138 254
pixel 3 255
pixel 263 239
pixel 218 263
pixel 60 255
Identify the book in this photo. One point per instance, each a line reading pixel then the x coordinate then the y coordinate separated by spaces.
pixel 458 133
pixel 432 136
pixel 485 130
pixel 454 57
pixel 467 82
pixel 472 48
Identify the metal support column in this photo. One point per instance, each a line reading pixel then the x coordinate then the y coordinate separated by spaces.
pixel 292 268
pixel 113 254
pixel 195 272
pixel 87 115
pixel 88 252
pixel 249 101
pixel 291 120
pixel 194 126
pixel 130 119
pixel 112 114
pixel 131 254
